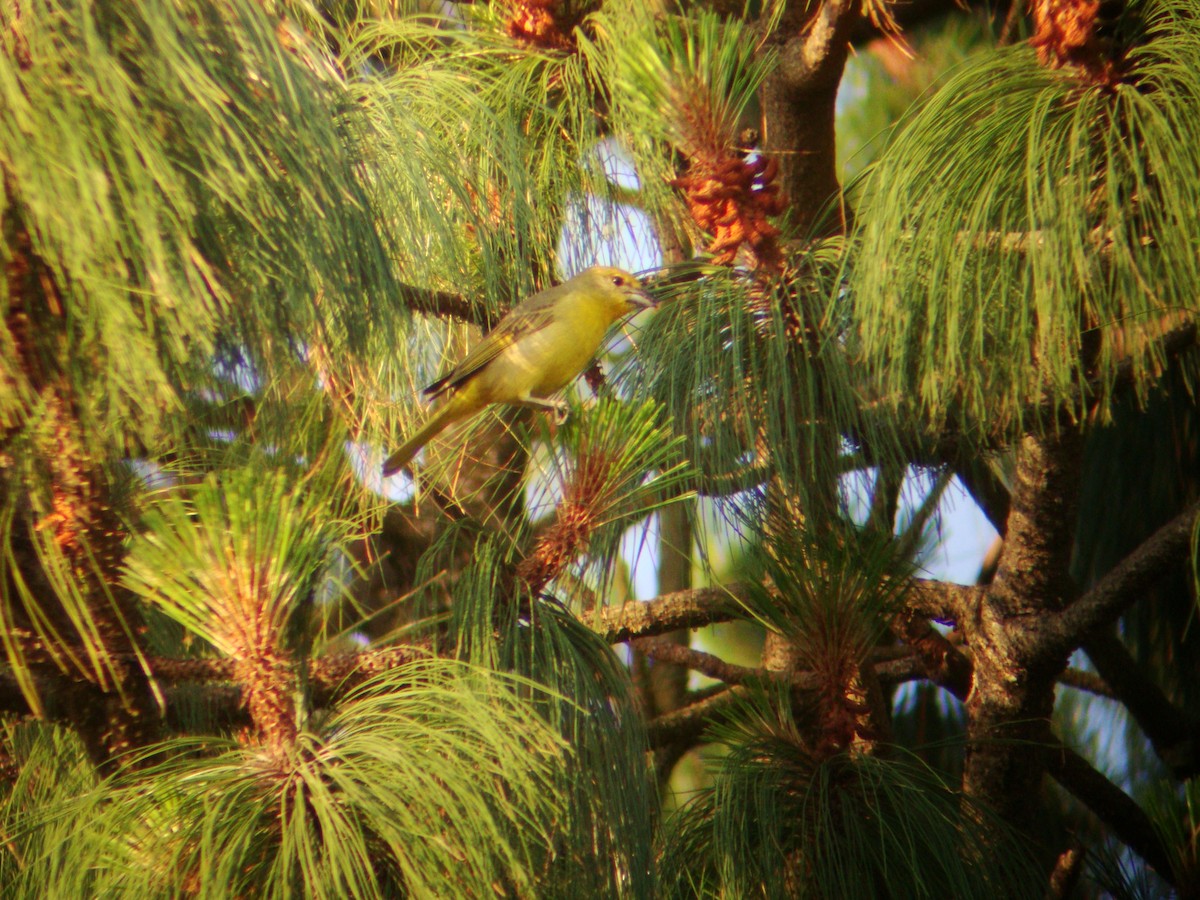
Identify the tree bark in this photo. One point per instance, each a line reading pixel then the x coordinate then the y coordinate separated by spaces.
pixel 798 104
pixel 1012 690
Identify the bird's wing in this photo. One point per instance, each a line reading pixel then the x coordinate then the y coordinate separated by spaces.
pixel 530 316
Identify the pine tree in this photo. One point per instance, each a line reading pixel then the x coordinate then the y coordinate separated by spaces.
pixel 238 237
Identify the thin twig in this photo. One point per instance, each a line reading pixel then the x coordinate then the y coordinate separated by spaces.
pixel 687 724
pixel 715 667
pixel 1086 681
pixel 1015 11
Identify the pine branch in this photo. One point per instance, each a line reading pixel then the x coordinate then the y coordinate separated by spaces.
pixel 942 600
pixel 173 670
pixel 1116 809
pixel 333 674
pixel 901 671
pixel 329 676
pixel 664 688
pixel 715 667
pixel 941 661
pixel 446 305
pixel 987 490
pixel 915 667
pixel 1086 681
pixel 1174 734
pixel 12 699
pixel 728 483
pixel 70 554
pixel 885 500
pixel 917 13
pixel 809 55
pixel 693 608
pixel 1175 341
pixel 1033 575
pixel 610 453
pixel 1122 586
pixel 687 724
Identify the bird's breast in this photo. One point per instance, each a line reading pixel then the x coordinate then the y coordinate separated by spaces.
pixel 543 362
pixel 558 353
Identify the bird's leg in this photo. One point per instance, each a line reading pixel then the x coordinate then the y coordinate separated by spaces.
pixel 557 408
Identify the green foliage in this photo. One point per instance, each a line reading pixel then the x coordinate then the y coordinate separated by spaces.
pixel 765 387
pixel 437 779
pixel 780 821
pixel 677 84
pixel 1019 207
pixel 235 235
pixel 237 559
pixel 183 200
pixel 690 79
pixel 1176 816
pixel 460 148
pixel 879 88
pixel 931 724
pixel 54 782
pixel 1164 435
pixel 614 461
pixel 187 182
pixel 476 150
pixel 832 595
pixel 621 460
pixel 612 811
pixel 587 699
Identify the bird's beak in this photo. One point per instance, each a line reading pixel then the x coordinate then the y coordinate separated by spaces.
pixel 639 300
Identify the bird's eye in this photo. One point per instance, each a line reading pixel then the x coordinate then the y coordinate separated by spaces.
pixel 618 281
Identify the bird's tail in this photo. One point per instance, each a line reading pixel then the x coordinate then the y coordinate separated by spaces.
pixel 448 413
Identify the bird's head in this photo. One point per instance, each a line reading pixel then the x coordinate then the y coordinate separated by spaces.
pixel 622 290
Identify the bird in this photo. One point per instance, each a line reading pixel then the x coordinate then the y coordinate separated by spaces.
pixel 539 346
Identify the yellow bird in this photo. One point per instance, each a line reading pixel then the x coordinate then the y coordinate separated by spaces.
pixel 535 350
